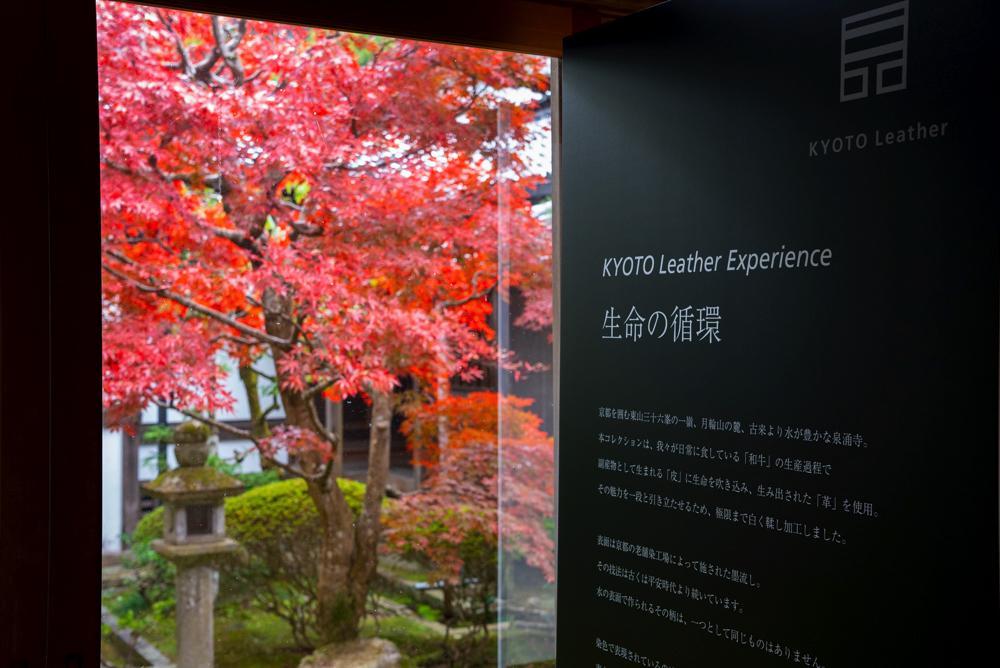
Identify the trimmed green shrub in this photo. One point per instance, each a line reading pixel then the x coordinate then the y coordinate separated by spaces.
pixel 148 528
pixel 260 512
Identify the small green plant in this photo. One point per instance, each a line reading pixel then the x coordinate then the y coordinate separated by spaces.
pixel 249 480
pixel 158 433
pixel 150 589
pixel 428 612
pixel 222 465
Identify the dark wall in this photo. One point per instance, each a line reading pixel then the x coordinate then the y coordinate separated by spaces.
pixel 690 127
pixel 50 473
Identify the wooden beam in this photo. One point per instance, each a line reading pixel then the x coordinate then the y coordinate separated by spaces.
pixel 507 25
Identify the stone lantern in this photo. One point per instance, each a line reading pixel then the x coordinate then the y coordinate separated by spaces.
pixel 194 539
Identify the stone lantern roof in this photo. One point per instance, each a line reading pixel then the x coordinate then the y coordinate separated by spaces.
pixel 193 484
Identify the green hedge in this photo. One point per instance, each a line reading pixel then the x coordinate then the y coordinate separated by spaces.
pixel 263 513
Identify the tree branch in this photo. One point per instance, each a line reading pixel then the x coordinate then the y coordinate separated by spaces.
pixel 235 339
pixel 227 48
pixel 318 426
pixel 301 228
pixel 262 374
pixel 270 409
pixel 185 64
pixel 384 162
pixel 237 237
pixel 321 476
pixel 169 178
pixel 252 332
pixel 316 389
pixel 306 229
pixel 452 303
pixel 297 472
pixel 235 431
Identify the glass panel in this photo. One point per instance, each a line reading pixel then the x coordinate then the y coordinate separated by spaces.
pixel 303 255
pixel 526 407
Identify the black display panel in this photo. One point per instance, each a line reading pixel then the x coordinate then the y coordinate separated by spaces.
pixel 779 337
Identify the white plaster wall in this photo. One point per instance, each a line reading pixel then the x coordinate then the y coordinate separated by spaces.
pixel 233 384
pixel 111 491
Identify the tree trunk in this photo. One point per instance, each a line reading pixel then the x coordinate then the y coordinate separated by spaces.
pixel 349 557
pixel 349 547
pixel 337 619
pixel 369 528
pixel 258 421
pixel 448 604
pixel 337 615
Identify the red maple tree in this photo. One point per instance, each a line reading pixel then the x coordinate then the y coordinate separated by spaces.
pixel 463 496
pixel 327 199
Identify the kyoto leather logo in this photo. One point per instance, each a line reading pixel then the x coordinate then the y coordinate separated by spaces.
pixel 873 47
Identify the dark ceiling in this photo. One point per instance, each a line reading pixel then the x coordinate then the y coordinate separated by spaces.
pixel 607 7
pixel 533 26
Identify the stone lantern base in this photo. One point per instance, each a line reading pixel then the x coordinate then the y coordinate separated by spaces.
pixel 196 589
pixel 195 554
pixel 197 585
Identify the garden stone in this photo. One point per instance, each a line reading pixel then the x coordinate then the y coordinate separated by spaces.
pixel 367 653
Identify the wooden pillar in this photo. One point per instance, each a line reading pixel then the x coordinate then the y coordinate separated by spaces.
pixel 130 479
pixel 334 419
